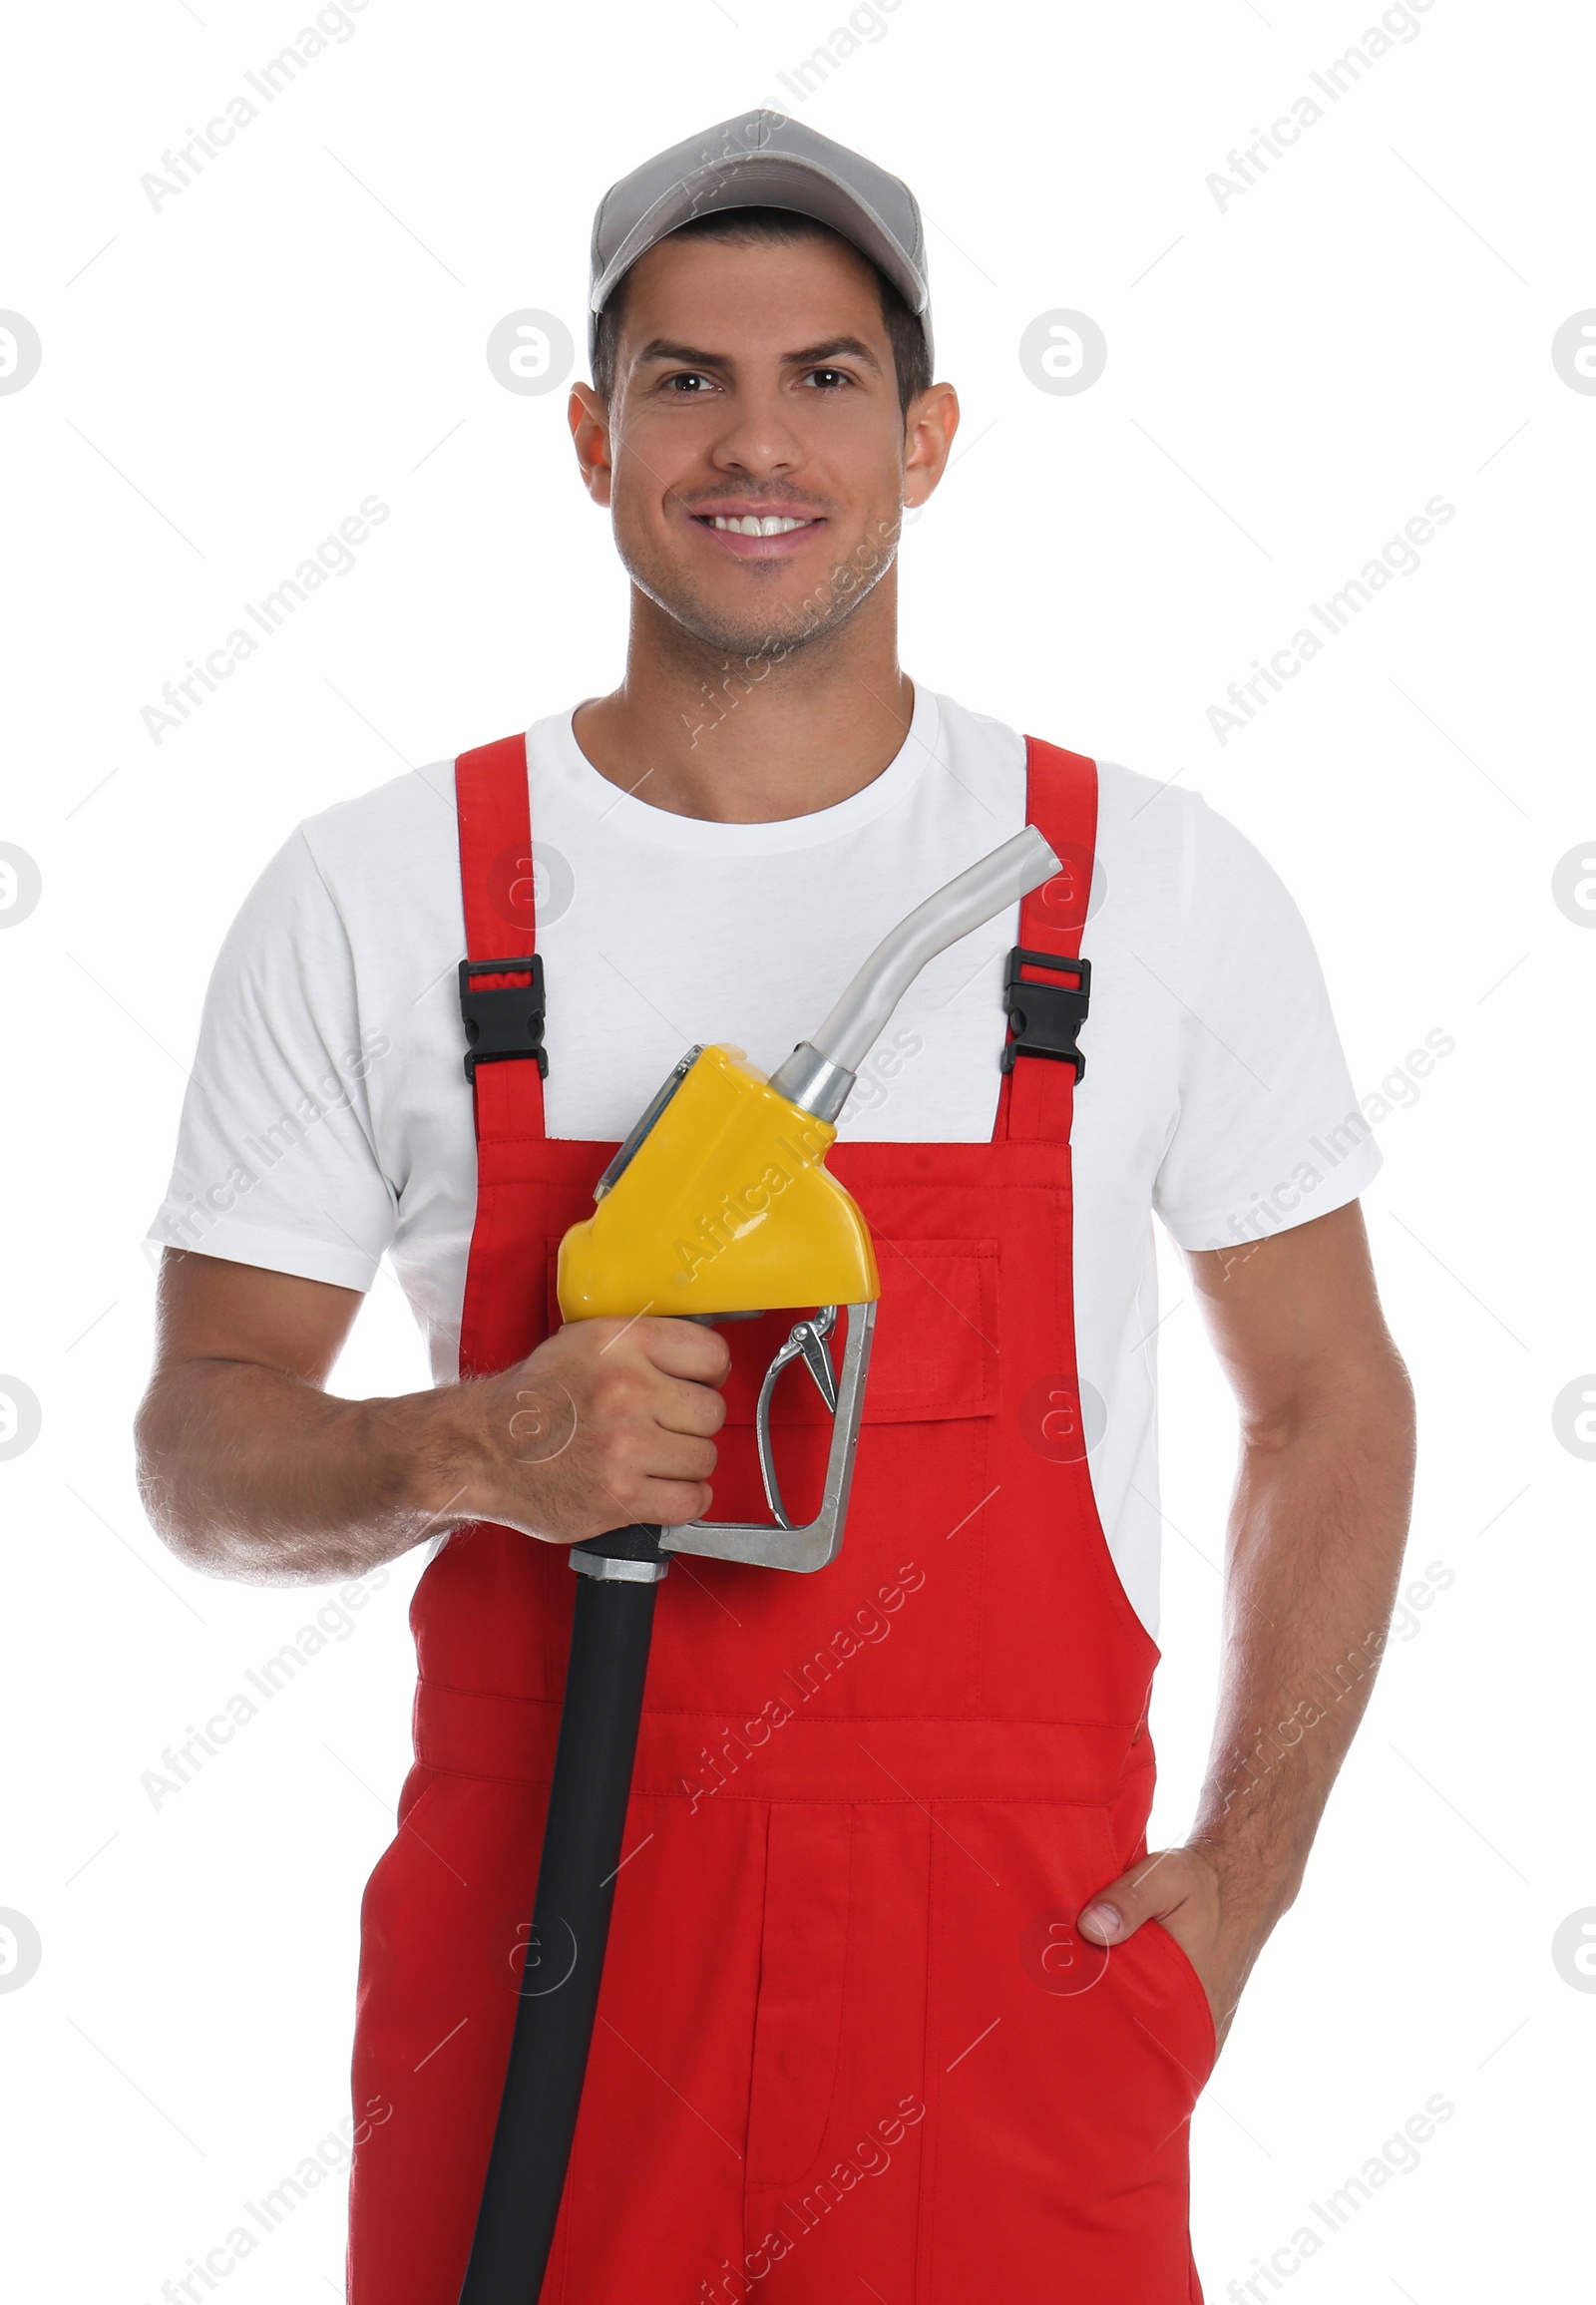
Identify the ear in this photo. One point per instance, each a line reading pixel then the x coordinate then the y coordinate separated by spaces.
pixel 929 438
pixel 589 417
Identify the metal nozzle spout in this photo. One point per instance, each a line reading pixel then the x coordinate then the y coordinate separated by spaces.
pixel 818 1075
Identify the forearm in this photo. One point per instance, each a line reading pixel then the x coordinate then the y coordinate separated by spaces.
pixel 1316 1529
pixel 253 1473
pixel 250 1470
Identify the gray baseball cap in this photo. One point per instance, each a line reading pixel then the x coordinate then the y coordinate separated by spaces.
pixel 761 160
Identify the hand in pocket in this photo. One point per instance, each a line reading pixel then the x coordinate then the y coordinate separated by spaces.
pixel 1220 1925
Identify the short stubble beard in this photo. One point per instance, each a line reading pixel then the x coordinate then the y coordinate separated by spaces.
pixel 817 619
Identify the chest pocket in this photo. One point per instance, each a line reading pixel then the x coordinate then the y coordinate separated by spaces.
pixel 934 1354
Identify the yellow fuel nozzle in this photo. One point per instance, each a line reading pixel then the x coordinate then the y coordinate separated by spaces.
pixel 722 1204
pixel 719 1203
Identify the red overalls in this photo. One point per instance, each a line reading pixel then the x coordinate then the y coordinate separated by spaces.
pixel 848 2041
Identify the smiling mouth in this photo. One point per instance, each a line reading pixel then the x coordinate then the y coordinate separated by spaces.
pixel 753 523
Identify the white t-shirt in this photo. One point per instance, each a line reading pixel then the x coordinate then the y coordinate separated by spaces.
pixel 329 1122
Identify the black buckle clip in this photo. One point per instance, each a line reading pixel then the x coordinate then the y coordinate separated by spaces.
pixel 503 1020
pixel 1045 1017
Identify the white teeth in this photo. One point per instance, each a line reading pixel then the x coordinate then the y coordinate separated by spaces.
pixel 751 525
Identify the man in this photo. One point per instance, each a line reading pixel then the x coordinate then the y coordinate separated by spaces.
pixel 898 2001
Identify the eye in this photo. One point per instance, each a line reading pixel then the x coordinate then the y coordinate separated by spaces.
pixel 686 377
pixel 831 377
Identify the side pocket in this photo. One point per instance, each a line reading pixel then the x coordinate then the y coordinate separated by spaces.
pixel 803 1964
pixel 1167 2027
pixel 392 1867
pixel 1196 1994
pixel 419 1782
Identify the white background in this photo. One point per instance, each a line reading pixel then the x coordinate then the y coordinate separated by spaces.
pixel 1288 379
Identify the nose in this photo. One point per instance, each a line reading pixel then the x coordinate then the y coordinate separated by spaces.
pixel 758 437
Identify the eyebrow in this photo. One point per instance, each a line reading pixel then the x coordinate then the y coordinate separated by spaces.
pixel 810 356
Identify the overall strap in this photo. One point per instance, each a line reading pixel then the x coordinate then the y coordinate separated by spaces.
pixel 1048 984
pixel 502 1010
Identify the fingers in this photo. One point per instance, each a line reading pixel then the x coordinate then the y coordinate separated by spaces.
pixel 1152 1889
pixel 624 1382
pixel 648 1473
pixel 682 1406
pixel 609 1422
pixel 672 1504
pixel 665 1368
pixel 682 1348
pixel 675 1456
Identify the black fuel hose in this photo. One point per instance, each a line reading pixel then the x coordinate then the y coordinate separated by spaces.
pixel 610 1633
